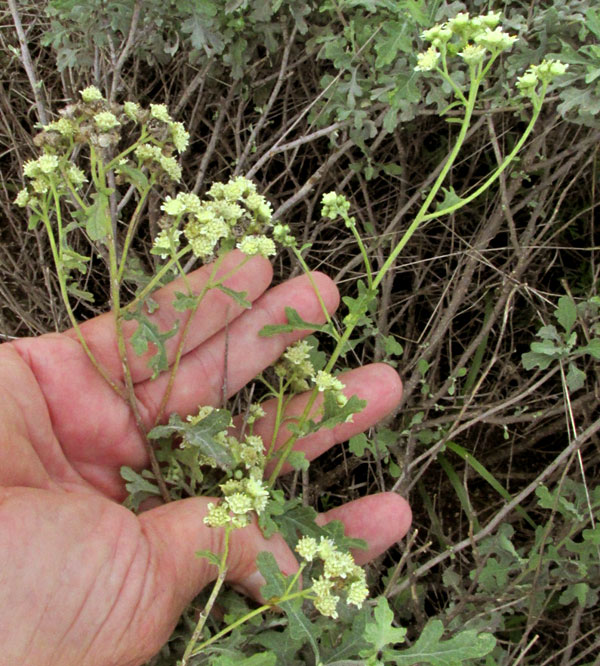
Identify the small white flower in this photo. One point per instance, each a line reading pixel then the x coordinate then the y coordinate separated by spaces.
pixel 160 112
pixel 76 176
pixel 180 136
pixel 91 94
pixel 173 207
pixel 106 121
pixel 325 381
pixel 307 548
pixel 22 199
pixel 132 110
pixel 47 163
pixel 428 60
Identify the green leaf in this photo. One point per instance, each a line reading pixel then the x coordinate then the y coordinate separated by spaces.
pixel 392 169
pixel 296 520
pixel 396 38
pixel 352 642
pixel 592 21
pixel 592 348
pixel 259 659
pixel 148 333
pixel 335 531
pixel 392 347
pixel 73 289
pixel 532 359
pixel 294 323
pixel 546 347
pixel 549 333
pixel 34 220
pixel 238 296
pixel 315 356
pixel 429 649
pixel 298 460
pixel 276 584
pixel 72 260
pixel 450 199
pixel 334 414
pixel 566 313
pixel 97 221
pixel 358 307
pixel 201 435
pixel 213 558
pixel 138 487
pixel 301 628
pixel 135 176
pixel 183 302
pixel 557 502
pixel 359 444
pixel 575 378
pixel 577 591
pixel 381 633
pixel 279 643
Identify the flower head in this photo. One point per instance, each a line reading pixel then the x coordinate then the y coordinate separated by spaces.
pixel 106 121
pixel 160 112
pixel 428 60
pixel 91 94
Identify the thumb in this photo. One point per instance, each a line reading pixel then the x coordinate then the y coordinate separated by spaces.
pixel 176 531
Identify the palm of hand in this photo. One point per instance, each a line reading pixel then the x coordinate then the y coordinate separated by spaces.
pixel 83 580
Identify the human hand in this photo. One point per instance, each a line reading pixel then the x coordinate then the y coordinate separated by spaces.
pixel 82 579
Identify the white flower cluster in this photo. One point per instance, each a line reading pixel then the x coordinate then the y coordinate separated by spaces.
pixel 242 498
pixel 234 216
pixel 245 492
pixel 106 121
pixel 96 121
pixel 179 135
pixel 473 38
pixel 167 242
pixel 148 154
pixel 295 366
pixel 542 73
pixel 334 205
pixel 340 574
pixel 91 94
pixel 43 173
pixel 297 370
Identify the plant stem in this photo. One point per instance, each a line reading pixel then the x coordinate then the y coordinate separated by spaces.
pixel 184 332
pixel 57 256
pixel 131 229
pixel 211 600
pixel 249 616
pixel 418 220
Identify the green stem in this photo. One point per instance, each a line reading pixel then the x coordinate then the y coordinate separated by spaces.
pixel 211 600
pixel 484 186
pixel 131 229
pixel 249 616
pixel 115 161
pixel 352 226
pixel 57 257
pixel 149 288
pixel 308 273
pixel 184 333
pixel 420 216
pixel 115 286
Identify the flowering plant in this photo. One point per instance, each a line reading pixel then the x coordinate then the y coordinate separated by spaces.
pixel 97 148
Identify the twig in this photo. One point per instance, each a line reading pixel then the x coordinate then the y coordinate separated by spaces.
pixel 135 17
pixel 28 64
pixel 289 40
